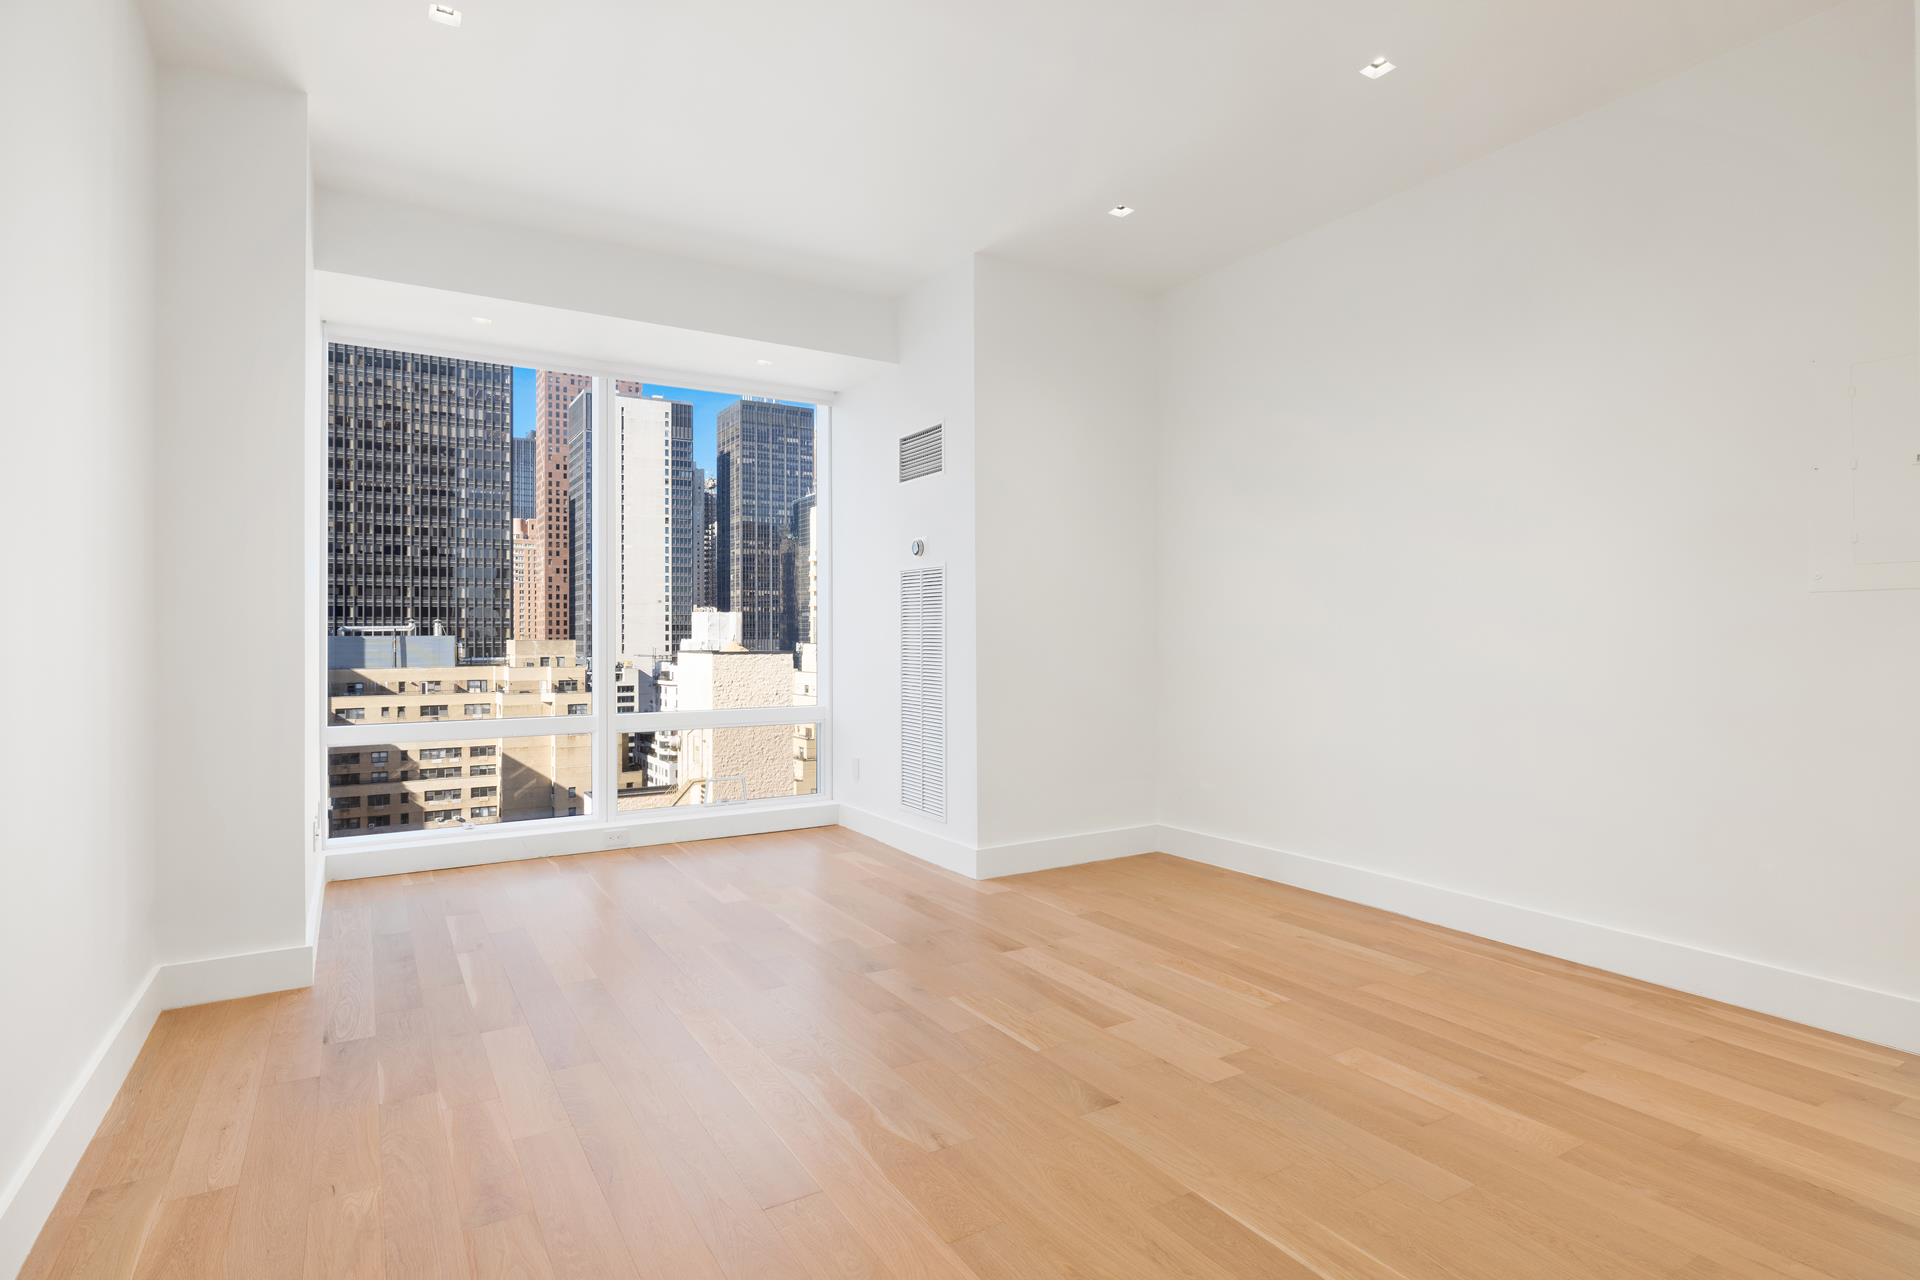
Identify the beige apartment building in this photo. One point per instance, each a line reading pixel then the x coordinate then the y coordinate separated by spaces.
pixel 404 787
pixel 528 548
pixel 719 764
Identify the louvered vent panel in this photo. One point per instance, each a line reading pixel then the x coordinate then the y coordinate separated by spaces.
pixel 923 691
pixel 920 454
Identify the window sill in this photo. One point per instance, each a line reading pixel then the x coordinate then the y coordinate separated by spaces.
pixel 352 857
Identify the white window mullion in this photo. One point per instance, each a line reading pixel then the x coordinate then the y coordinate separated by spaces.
pixel 480 727
pixel 645 722
pixel 602 615
pixel 823 620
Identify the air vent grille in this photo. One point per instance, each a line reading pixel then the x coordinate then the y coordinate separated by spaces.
pixel 923 691
pixel 920 454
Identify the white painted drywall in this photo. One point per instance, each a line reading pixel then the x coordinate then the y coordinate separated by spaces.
pixel 1483 554
pixel 875 518
pixel 1065 457
pixel 76 357
pixel 385 240
pixel 232 627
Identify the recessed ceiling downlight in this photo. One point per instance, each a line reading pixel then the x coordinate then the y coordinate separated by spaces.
pixel 444 13
pixel 1377 68
pixel 483 320
pixel 763 361
pixel 1121 211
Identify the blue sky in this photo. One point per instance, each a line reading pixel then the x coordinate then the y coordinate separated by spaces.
pixel 706 418
pixel 706 412
pixel 522 401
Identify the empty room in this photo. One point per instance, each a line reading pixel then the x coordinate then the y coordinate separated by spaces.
pixel 960 638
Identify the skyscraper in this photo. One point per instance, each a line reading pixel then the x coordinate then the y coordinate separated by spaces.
pixel 579 518
pixel 526 471
pixel 527 549
pixel 552 617
pixel 419 492
pixel 705 507
pixel 553 397
pixel 805 574
pixel 653 533
pixel 765 465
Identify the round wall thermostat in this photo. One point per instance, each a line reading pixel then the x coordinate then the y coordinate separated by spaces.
pixel 918 547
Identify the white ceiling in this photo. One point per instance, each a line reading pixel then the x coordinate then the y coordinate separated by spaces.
pixel 871 142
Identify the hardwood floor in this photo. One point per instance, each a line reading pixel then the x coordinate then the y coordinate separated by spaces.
pixel 807 1055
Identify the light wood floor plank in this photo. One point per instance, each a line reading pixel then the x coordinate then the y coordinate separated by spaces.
pixel 509 1247
pixel 107 1234
pixel 215 1141
pixel 420 1229
pixel 267 1236
pixel 576 1224
pixel 188 1236
pixel 343 1235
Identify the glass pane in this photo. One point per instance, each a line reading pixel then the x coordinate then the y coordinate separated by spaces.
pixel 457 565
pixel 663 769
pixel 414 787
pixel 715 533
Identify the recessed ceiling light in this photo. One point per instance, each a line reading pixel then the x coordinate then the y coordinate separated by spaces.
pixel 763 361
pixel 1121 211
pixel 444 13
pixel 1377 68
pixel 482 320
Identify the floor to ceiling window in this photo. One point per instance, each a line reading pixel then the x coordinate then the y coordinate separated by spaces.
pixel 563 596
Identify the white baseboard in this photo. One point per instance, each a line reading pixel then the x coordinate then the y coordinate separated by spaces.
pixel 928 847
pixel 316 898
pixel 225 978
pixel 503 844
pixel 1884 1018
pixel 985 862
pixel 37 1185
pixel 1015 857
pixel 1868 1014
pixel 49 1163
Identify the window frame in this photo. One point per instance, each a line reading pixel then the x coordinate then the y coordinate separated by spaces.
pixel 604 724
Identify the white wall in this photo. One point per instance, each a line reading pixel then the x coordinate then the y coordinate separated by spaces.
pixel 1484 522
pixel 1043 518
pixel 1066 453
pixel 361 236
pixel 313 544
pixel 76 357
pixel 231 629
pixel 874 518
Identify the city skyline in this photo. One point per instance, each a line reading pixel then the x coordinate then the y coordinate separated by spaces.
pixel 429 483
pixel 447 604
pixel 705 406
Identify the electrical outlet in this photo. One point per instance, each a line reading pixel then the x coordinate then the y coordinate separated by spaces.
pixel 616 841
